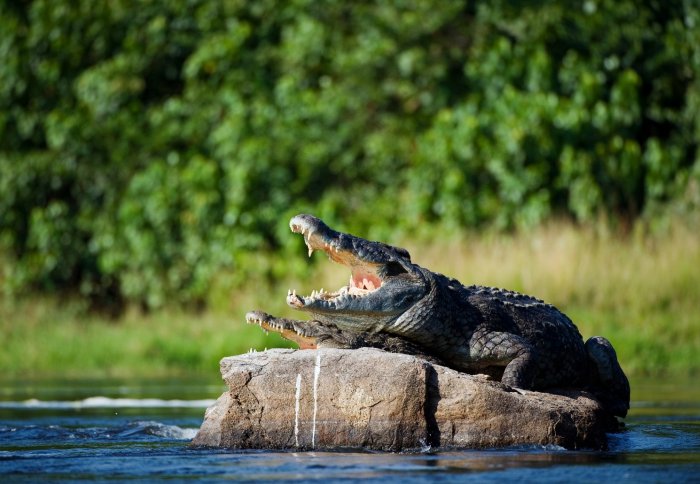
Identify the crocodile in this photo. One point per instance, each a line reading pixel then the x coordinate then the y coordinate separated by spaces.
pixel 396 305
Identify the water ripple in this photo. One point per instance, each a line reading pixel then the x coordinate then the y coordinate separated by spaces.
pixel 130 431
pixel 104 402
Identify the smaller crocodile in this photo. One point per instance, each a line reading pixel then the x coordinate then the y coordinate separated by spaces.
pixel 396 305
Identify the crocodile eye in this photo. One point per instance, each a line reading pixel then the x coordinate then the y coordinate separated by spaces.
pixel 393 269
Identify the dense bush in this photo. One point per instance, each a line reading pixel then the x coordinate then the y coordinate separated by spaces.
pixel 147 146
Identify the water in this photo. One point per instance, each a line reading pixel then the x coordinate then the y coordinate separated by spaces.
pixel 126 430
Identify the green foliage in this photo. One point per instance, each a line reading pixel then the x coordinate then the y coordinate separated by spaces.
pixel 148 146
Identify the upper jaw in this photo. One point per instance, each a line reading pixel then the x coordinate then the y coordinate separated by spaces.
pixel 345 248
pixel 364 260
pixel 317 235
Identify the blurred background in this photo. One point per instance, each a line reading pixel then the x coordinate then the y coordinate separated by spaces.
pixel 152 153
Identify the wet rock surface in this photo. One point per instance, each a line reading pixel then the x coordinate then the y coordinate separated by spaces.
pixel 368 398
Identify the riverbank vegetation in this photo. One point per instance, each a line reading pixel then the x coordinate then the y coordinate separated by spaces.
pixel 639 290
pixel 146 146
pixel 152 152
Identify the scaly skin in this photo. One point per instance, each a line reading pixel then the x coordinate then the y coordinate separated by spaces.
pixel 313 335
pixel 393 304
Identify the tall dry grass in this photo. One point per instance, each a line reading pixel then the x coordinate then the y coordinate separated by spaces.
pixel 642 291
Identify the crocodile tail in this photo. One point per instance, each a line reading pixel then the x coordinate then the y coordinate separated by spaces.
pixel 615 386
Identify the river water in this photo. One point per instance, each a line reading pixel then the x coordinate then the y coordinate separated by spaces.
pixel 139 430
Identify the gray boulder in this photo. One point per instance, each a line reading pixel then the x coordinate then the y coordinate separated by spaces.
pixel 371 399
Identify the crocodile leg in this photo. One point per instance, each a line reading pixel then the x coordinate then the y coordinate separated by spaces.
pixel 498 348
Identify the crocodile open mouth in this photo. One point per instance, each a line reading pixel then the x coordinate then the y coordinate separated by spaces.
pixel 364 275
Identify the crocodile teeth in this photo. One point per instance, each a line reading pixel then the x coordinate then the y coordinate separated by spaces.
pixel 311 251
pixel 295 301
pixel 356 291
pixel 307 233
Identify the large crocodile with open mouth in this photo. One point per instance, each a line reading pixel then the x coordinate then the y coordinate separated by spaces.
pixel 394 304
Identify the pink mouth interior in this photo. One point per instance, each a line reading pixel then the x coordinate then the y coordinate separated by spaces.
pixel 364 280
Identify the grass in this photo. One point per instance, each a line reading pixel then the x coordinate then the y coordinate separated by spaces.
pixel 45 337
pixel 641 291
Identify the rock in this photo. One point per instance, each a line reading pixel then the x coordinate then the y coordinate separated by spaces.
pixel 368 398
